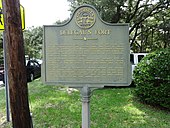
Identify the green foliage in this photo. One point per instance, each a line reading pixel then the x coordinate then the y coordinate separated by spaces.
pixel 58 22
pixel 152 78
pixel 33 39
pixel 148 20
pixel 57 107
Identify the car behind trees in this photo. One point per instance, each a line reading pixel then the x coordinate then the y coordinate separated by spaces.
pixel 33 68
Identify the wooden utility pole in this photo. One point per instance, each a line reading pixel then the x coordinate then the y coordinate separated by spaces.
pixel 16 65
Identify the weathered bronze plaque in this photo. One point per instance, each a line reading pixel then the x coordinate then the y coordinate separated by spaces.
pixel 86 51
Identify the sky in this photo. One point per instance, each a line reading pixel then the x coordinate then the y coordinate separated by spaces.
pixel 44 12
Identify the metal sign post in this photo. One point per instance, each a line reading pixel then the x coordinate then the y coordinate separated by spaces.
pixel 86 94
pixel 6 83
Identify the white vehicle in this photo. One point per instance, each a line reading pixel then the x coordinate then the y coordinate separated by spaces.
pixel 135 58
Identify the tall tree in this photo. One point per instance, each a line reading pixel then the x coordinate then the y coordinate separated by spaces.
pixel 16 65
pixel 135 12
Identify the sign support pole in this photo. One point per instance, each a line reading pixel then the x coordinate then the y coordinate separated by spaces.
pixel 6 82
pixel 86 94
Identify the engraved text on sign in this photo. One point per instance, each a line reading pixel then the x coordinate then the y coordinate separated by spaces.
pixel 86 51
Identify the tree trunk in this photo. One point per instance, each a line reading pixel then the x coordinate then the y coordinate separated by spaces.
pixel 16 65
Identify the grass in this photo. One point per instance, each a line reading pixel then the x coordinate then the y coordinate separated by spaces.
pixel 56 107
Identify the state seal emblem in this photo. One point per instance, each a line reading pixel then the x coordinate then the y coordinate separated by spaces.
pixel 85 17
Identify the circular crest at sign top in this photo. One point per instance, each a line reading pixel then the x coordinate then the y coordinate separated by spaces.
pixel 85 17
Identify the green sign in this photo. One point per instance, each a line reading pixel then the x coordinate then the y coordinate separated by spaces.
pixel 86 51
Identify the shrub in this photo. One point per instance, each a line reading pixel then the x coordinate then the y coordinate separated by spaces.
pixel 152 79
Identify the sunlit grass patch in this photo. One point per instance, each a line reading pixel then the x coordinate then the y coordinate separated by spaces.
pixel 59 107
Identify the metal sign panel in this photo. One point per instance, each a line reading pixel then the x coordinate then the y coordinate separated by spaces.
pixel 86 51
pixel 2 17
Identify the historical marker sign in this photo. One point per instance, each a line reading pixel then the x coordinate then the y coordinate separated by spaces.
pixel 86 51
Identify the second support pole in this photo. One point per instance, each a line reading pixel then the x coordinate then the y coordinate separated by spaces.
pixel 85 94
